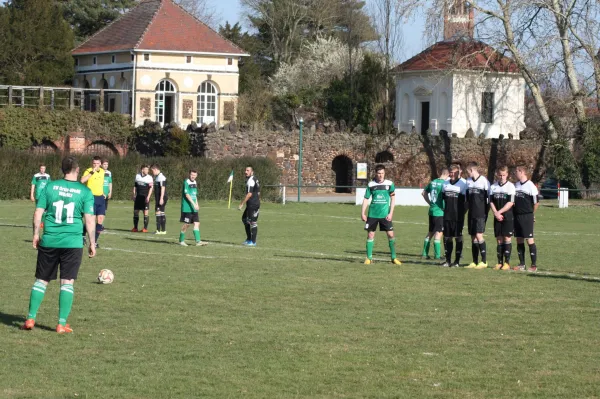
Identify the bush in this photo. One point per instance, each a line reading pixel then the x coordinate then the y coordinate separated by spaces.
pixel 17 168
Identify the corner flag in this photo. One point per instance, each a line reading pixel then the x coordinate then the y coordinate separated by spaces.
pixel 230 181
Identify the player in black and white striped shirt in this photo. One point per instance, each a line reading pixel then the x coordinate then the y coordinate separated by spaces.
pixel 502 200
pixel 160 199
pixel 526 203
pixel 478 195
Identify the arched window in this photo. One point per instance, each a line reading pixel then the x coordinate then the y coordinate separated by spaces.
pixel 164 102
pixel 207 103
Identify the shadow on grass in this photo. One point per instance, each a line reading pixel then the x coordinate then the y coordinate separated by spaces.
pixel 149 240
pixel 343 260
pixel 15 321
pixel 573 277
pixel 383 253
pixel 20 226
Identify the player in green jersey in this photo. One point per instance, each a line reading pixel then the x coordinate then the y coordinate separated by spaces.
pixel 67 203
pixel 38 184
pixel 433 196
pixel 381 192
pixel 107 182
pixel 189 209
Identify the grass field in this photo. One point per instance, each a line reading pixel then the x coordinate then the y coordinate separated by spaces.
pixel 301 316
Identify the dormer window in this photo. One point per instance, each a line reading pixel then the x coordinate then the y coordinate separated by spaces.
pixel 146 57
pixel 94 61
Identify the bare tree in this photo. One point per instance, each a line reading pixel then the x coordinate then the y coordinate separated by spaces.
pixel 203 10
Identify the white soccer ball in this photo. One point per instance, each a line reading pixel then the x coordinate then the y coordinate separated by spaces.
pixel 106 276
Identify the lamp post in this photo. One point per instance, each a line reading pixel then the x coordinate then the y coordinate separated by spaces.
pixel 301 121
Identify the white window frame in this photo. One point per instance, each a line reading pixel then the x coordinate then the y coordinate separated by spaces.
pixel 168 87
pixel 207 104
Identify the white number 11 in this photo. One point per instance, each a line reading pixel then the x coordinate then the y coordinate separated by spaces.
pixel 60 205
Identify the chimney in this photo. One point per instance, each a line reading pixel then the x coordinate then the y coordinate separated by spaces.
pixel 459 20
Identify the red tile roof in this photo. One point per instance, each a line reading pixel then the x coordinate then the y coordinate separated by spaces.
pixel 158 25
pixel 462 54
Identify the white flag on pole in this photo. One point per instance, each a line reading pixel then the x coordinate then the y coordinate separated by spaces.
pixel 230 178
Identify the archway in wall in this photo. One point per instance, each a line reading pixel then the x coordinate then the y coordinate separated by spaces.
pixel 384 156
pixel 101 148
pixel 343 167
pixel 45 147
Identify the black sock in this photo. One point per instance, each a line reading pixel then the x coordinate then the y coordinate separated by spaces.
pixel 521 252
pixel 500 252
pixel 254 233
pixel 449 246
pixel 459 248
pixel 507 252
pixel 99 229
pixel 158 222
pixel 483 250
pixel 475 251
pixel 163 223
pixel 146 219
pixel 248 233
pixel 136 221
pixel 533 253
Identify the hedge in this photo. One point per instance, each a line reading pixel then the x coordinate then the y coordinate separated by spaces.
pixel 18 167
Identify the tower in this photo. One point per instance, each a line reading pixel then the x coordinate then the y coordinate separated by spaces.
pixel 459 20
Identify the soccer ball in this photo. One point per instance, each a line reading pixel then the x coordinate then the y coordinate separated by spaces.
pixel 106 276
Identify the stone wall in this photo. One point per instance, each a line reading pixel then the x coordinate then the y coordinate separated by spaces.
pixel 330 158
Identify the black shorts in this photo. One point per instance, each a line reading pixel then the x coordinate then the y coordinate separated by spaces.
pixel 436 224
pixel 99 205
pixel 384 224
pixel 189 217
pixel 476 226
pixel 140 203
pixel 250 214
pixel 453 228
pixel 505 228
pixel 49 259
pixel 161 208
pixel 524 225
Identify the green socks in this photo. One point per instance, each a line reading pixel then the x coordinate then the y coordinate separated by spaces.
pixel 426 244
pixel 392 243
pixel 437 249
pixel 65 303
pixel 181 236
pixel 370 244
pixel 35 300
pixel 197 235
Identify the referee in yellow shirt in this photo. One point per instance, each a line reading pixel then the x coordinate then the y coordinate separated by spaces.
pixel 94 178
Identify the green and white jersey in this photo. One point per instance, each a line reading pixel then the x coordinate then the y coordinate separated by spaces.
pixel 65 202
pixel 40 180
pixel 190 188
pixel 434 191
pixel 382 196
pixel 107 182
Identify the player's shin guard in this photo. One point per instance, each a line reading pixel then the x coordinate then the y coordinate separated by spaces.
pixel 65 303
pixel 533 254
pixel 370 244
pixel 146 220
pixel 521 252
pixel 459 249
pixel 35 299
pixel 136 221
pixel 426 245
pixel 500 253
pixel 392 244
pixel 483 250
pixel 253 232
pixel 475 251
pixel 507 251
pixel 437 249
pixel 449 246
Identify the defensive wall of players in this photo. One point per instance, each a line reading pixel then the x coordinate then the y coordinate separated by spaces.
pixel 330 158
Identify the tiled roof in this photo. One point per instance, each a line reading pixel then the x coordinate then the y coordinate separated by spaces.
pixel 459 55
pixel 158 25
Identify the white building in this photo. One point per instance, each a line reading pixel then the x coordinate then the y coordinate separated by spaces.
pixel 460 83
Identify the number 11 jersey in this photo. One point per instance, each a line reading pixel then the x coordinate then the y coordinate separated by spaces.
pixel 65 203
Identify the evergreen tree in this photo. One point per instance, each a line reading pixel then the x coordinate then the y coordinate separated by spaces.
pixel 37 44
pixel 87 17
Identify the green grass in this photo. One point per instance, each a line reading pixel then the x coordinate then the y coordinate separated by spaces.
pixel 301 316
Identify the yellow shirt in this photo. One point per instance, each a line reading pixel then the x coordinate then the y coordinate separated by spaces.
pixel 96 181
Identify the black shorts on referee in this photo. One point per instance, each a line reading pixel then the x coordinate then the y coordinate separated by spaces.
pixel 49 260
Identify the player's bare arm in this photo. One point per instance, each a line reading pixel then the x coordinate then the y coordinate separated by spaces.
pixel 32 194
pixel 110 191
pixel 149 194
pixel 246 198
pixel 90 226
pixel 365 205
pixel 133 195
pixel 37 221
pixel 390 215
pixel 192 201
